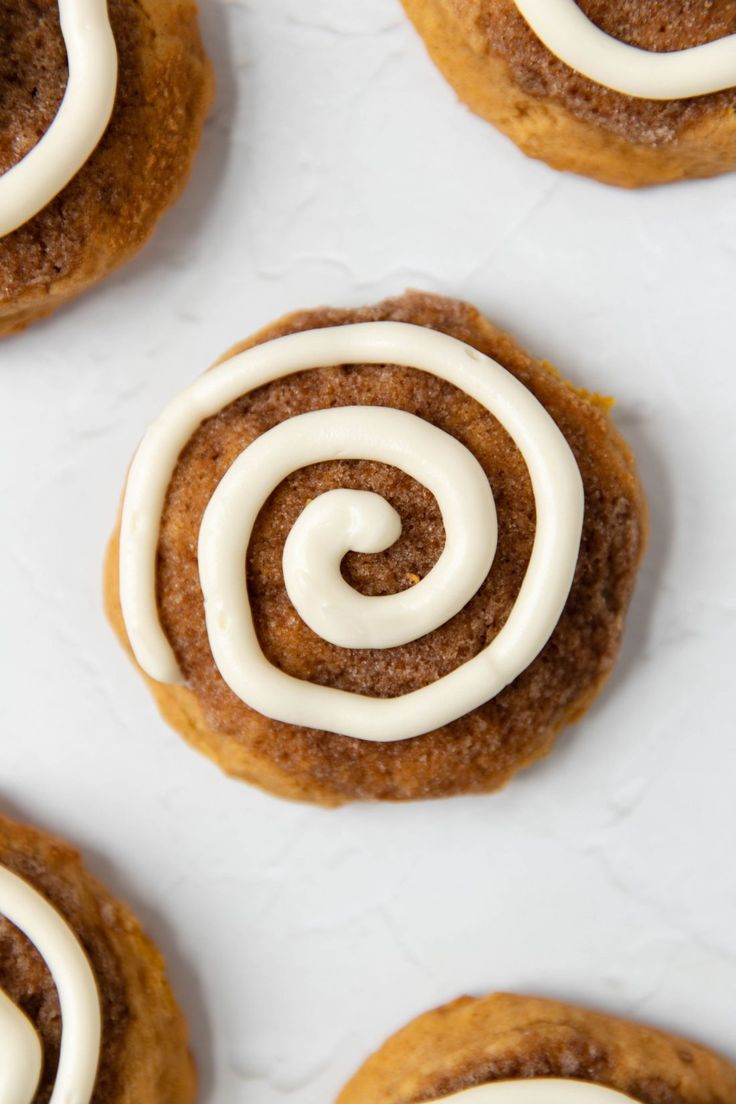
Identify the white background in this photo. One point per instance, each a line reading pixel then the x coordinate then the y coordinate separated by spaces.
pixel 338 168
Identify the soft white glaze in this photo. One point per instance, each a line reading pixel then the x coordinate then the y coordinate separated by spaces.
pixel 21 1057
pixel 547 1090
pixel 344 520
pixel 568 33
pixel 20 1049
pixel 82 119
pixel 354 433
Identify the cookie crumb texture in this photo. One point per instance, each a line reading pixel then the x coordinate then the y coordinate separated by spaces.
pixel 504 73
pixel 144 1057
pixel 110 208
pixel 505 1037
pixel 482 750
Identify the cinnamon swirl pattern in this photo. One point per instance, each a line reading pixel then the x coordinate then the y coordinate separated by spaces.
pixel 101 108
pixel 82 119
pixel 87 1015
pixel 525 1050
pixel 352 520
pixel 631 94
pixel 672 75
pixel 376 553
pixel 21 1058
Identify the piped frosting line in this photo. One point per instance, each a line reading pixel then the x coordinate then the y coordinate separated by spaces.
pixel 352 519
pixel 547 1090
pixel 568 33
pixel 21 1057
pixel 27 187
pixel 20 1049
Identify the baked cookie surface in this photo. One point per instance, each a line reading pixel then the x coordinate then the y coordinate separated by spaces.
pixel 502 70
pixel 110 208
pixel 143 1056
pixel 477 752
pixel 504 1037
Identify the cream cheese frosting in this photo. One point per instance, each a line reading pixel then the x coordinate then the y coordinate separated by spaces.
pixel 538 1091
pixel 27 187
pixel 21 1058
pixel 350 519
pixel 568 33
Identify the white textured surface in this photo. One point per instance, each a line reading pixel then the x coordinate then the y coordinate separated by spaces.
pixel 337 168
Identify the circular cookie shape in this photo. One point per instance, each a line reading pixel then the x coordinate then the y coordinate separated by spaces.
pixel 501 68
pixel 86 1012
pixel 438 711
pixel 507 1040
pixel 110 206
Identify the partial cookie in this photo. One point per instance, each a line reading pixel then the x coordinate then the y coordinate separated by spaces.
pixel 567 87
pixel 85 1006
pixel 306 678
pixel 82 189
pixel 505 1049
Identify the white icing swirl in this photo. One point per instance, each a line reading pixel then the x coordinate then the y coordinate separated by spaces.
pixel 678 74
pixel 349 519
pixel 82 119
pixel 21 1059
pixel 546 1090
pixel 343 520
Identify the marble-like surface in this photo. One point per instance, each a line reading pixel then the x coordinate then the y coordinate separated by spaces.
pixel 337 168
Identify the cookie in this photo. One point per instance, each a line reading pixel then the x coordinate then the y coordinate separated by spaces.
pixel 631 92
pixel 416 546
pixel 99 125
pixel 86 1012
pixel 507 1049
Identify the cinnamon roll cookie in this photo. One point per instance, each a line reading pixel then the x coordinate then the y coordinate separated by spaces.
pixel 86 1013
pixel 379 553
pixel 506 1049
pixel 630 92
pixel 101 107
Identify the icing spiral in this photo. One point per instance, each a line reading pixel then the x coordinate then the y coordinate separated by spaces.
pixel 81 120
pixel 678 74
pixel 343 520
pixel 21 1058
pixel 547 1090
